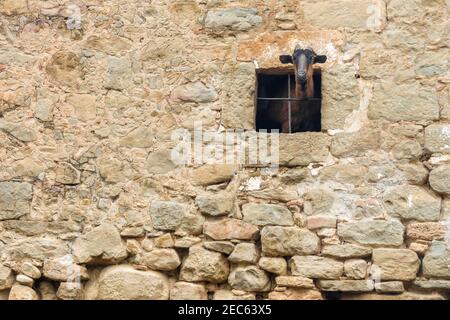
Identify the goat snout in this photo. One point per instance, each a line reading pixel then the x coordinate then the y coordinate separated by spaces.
pixel 302 79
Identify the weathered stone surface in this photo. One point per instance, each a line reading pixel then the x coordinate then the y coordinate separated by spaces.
pixel 67 174
pixel 267 214
pixel 346 285
pixel 215 205
pixel 34 228
pixel 213 174
pixel 389 287
pixel 192 224
pixel 204 265
pixel 6 278
pixel 249 278
pixel 301 149
pixel 84 105
pixel 28 269
pixel 432 284
pixel 403 102
pixel 187 242
pixel 355 269
pixel 167 215
pixel 228 229
pixel 238 110
pixel 164 241
pixel 70 291
pixel 279 194
pixel 340 96
pixel 434 64
pixel 20 292
pixel 119 73
pixel 396 264
pixel 425 231
pixel 296 294
pixel 412 203
pixel 27 167
pixel 288 241
pixel 354 143
pixel 294 282
pixel 380 172
pixel 20 131
pixel 232 19
pixel 273 265
pixel 140 137
pixel 225 247
pixel 34 249
pixel 113 170
pixel 160 162
pixel 64 269
pixel 437 138
pixel 419 247
pixel 244 253
pixel 343 14
pixel 233 295
pixel 101 245
pixel 373 232
pixel 43 110
pixel 321 221
pixel 65 68
pixel 194 92
pixel 327 233
pixel 374 62
pixel 316 267
pixel 15 199
pixel 14 7
pixel 294 175
pixel 10 55
pixel 401 11
pixel 344 173
pixel 123 282
pixel 24 280
pixel 407 149
pixel 436 263
pixel 416 174
pixel 346 251
pixel 403 296
pixel 188 291
pixel 111 45
pixel 440 179
pixel 161 259
pixel 319 201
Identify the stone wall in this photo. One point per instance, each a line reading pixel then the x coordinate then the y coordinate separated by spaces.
pixel 92 207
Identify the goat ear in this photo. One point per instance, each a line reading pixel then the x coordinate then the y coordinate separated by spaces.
pixel 285 59
pixel 320 59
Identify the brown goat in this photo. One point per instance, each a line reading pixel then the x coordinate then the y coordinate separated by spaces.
pixel 303 108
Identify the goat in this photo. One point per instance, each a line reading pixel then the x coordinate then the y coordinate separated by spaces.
pixel 303 109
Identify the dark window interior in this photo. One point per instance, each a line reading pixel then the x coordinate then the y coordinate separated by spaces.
pixel 305 115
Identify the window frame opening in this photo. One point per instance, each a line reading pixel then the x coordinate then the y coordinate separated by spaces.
pixel 290 81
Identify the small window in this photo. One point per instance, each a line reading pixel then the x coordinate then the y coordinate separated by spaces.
pixel 276 96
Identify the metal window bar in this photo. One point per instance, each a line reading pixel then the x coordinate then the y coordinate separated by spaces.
pixel 289 104
pixel 289 99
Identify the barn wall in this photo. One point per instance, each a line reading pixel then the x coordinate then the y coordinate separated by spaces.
pixel 93 207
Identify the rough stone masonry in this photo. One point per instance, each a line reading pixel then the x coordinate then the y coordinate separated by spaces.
pixel 92 207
